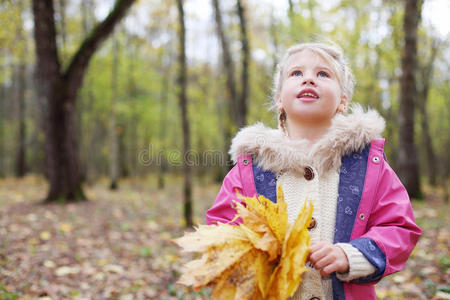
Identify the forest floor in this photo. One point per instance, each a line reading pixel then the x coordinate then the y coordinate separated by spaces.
pixel 118 244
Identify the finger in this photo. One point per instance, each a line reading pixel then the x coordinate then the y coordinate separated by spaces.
pixel 328 270
pixel 318 246
pixel 320 254
pixel 324 262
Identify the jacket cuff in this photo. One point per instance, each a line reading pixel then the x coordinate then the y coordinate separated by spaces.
pixel 359 266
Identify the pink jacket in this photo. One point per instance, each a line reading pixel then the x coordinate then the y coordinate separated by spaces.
pixel 383 227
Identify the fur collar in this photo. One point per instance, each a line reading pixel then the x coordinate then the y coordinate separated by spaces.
pixel 276 152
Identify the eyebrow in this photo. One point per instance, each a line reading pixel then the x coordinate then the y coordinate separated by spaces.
pixel 319 67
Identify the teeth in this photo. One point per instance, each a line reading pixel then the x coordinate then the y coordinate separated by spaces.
pixel 309 94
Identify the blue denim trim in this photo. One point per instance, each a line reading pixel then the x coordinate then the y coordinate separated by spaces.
pixel 338 288
pixel 374 255
pixel 351 185
pixel 265 183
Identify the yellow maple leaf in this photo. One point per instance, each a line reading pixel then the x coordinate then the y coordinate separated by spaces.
pixel 274 214
pixel 262 258
pixel 286 277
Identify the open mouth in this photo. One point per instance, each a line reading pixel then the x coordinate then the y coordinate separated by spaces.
pixel 308 94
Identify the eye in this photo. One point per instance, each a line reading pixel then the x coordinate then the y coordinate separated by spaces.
pixel 323 74
pixel 297 73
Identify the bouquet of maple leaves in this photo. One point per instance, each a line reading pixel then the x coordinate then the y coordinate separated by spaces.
pixel 261 258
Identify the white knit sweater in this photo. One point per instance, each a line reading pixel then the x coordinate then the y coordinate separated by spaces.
pixel 323 192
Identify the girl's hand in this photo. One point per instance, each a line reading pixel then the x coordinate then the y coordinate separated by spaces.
pixel 328 258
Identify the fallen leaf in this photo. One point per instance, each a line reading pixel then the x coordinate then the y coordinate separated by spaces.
pixel 65 227
pixel 45 235
pixel 114 269
pixel 67 270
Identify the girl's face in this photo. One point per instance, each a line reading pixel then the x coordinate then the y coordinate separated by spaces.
pixel 310 92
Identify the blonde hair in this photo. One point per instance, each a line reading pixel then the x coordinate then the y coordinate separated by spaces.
pixel 328 51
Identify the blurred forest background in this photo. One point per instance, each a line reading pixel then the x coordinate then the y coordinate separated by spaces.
pixel 131 105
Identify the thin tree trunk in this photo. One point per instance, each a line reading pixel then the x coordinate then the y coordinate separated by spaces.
pixel 88 161
pixel 2 126
pixel 20 163
pixel 407 154
pixel 182 84
pixel 114 147
pixel 230 116
pixel 21 85
pixel 123 166
pixel 60 91
pixel 242 103
pixel 163 122
pixel 426 76
pixel 226 58
pixel 133 132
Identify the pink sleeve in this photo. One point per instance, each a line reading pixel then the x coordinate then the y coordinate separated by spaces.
pixel 240 178
pixel 391 224
pixel 222 209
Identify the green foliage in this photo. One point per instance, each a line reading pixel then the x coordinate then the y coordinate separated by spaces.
pixel 147 113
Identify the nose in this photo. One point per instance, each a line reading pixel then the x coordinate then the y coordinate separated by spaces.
pixel 308 79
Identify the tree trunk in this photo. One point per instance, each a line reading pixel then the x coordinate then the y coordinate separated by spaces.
pixel 60 90
pixel 242 103
pixel 133 123
pixel 426 75
pixel 114 147
pixel 20 159
pixel 87 9
pixel 230 116
pixel 163 122
pixel 226 59
pixel 2 126
pixel 407 154
pixel 182 83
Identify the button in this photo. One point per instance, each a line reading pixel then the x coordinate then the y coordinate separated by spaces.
pixel 362 217
pixel 376 159
pixel 245 162
pixel 308 173
pixel 313 224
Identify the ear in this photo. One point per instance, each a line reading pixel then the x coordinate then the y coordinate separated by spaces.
pixel 342 107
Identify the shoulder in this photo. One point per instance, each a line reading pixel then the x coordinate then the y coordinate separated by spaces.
pixel 251 139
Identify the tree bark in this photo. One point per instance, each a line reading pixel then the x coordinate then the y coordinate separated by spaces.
pixel 87 9
pixel 60 90
pixel 163 121
pixel 242 103
pixel 21 85
pixel 182 84
pixel 230 116
pixel 407 154
pixel 114 147
pixel 133 131
pixel 2 126
pixel 426 74
pixel 226 60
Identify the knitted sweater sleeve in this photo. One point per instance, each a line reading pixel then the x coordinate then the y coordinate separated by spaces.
pixel 359 266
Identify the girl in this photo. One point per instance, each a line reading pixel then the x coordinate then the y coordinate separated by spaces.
pixel 363 226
